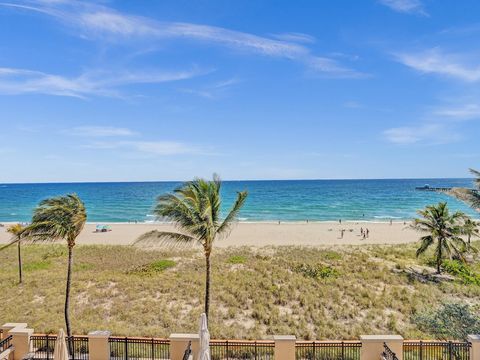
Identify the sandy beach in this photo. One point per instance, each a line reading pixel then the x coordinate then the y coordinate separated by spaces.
pixel 263 234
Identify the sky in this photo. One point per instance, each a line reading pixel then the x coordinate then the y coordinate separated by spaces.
pixel 141 90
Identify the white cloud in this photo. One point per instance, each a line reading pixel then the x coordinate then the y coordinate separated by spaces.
pixel 461 112
pixel 435 61
pixel 21 81
pixel 100 131
pixel 94 20
pixel 158 148
pixel 213 91
pixel 426 133
pixel 405 6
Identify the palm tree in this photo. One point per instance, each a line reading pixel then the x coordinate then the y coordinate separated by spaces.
pixel 470 228
pixel 54 219
pixel 476 194
pixel 444 229
pixel 194 207
pixel 16 230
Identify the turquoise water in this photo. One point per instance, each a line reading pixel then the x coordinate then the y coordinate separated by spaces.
pixel 292 200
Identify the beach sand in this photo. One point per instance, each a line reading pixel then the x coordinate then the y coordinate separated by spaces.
pixel 263 234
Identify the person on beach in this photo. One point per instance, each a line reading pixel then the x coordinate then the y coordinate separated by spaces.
pixel 367 232
pixel 361 231
pixel 390 222
pixel 340 221
pixel 341 233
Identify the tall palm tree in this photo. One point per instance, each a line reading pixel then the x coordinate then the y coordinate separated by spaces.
pixel 54 219
pixel 470 228
pixel 15 230
pixel 194 207
pixel 442 228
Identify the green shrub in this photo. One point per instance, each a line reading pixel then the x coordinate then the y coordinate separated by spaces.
pixel 317 271
pixel 154 267
pixel 461 270
pixel 237 259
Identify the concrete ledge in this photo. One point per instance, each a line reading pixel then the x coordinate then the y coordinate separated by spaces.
pixel 284 338
pixel 473 338
pixel 183 337
pixel 99 334
pixel 377 338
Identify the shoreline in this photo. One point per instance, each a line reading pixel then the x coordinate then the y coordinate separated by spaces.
pixel 262 234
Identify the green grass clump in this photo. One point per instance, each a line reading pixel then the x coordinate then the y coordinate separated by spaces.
pixel 161 265
pixel 462 271
pixel 317 271
pixel 237 259
pixel 37 265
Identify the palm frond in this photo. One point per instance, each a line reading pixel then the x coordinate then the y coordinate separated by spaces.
pixel 426 241
pixel 227 223
pixel 167 238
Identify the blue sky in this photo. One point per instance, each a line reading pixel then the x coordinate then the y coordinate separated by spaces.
pixel 168 90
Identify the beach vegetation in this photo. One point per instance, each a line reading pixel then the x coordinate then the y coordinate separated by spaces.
pixel 470 229
pixel 442 231
pixel 59 218
pixel 449 321
pixel 462 271
pixel 237 259
pixel 371 294
pixel 316 271
pixel 195 207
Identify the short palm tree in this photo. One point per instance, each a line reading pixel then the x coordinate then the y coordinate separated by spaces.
pixel 54 219
pixel 476 194
pixel 441 228
pixel 470 229
pixel 194 207
pixel 16 230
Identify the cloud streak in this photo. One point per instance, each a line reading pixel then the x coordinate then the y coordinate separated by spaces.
pixel 156 148
pixel 436 61
pixel 93 20
pixel 405 6
pixel 15 81
pixel 100 131
pixel 432 134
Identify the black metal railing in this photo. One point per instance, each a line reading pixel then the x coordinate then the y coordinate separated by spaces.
pixel 328 350
pixel 238 349
pixel 43 347
pixel 388 354
pixel 5 343
pixel 436 350
pixel 125 348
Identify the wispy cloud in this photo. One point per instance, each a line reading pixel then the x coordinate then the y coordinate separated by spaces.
pixel 406 6
pixel 158 148
pixel 100 131
pixel 467 111
pixel 15 81
pixel 435 61
pixel 212 91
pixel 432 134
pixel 93 20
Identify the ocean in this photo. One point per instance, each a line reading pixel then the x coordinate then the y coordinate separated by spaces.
pixel 289 200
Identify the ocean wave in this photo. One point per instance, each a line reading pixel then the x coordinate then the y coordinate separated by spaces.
pixel 386 217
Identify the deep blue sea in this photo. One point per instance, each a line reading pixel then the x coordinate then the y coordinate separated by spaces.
pixel 291 200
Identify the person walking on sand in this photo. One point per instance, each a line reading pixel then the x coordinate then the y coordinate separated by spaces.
pixel 367 232
pixel 341 233
pixel 361 231
pixel 340 221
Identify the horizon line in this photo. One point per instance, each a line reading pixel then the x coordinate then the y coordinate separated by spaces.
pixel 230 180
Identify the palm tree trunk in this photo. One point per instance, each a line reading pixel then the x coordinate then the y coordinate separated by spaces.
pixel 19 263
pixel 67 291
pixel 207 284
pixel 469 239
pixel 439 256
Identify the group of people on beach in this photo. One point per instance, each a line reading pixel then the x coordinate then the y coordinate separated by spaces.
pixel 364 233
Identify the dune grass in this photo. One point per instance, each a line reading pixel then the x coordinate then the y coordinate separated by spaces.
pixel 313 293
